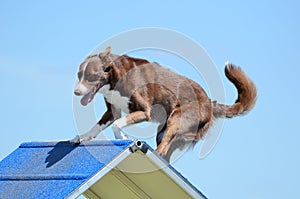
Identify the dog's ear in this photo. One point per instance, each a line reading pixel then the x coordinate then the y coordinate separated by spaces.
pixel 105 53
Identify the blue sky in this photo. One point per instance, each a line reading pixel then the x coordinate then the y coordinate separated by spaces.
pixel 256 157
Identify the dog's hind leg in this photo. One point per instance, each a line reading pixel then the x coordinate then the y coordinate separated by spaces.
pixel 185 140
pixel 173 126
pixel 186 124
pixel 180 141
pixel 159 115
pixel 160 133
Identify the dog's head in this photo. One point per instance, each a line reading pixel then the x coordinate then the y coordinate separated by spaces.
pixel 93 74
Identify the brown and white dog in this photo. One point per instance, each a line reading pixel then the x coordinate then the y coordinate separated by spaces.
pixel 135 86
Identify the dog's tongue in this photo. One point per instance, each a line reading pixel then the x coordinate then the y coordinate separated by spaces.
pixel 86 99
pixel 90 96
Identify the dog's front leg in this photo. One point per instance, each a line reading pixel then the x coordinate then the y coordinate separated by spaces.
pixel 118 124
pixel 132 118
pixel 108 118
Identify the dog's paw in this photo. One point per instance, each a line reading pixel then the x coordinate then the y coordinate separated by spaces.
pixel 160 150
pixel 86 138
pixel 78 139
pixel 75 140
pixel 118 132
pixel 163 155
pixel 123 137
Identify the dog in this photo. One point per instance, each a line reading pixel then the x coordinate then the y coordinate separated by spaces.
pixel 134 86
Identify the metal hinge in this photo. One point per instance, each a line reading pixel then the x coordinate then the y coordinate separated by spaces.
pixel 138 145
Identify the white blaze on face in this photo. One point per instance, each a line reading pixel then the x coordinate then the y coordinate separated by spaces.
pixel 81 88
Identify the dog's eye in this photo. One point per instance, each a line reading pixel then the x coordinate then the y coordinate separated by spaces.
pixel 107 69
pixel 79 75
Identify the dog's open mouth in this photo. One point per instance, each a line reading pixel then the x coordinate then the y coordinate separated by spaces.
pixel 87 98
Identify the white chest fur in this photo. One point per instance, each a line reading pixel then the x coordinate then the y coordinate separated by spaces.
pixel 114 97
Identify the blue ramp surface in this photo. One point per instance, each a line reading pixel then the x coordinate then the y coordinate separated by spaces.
pixel 54 169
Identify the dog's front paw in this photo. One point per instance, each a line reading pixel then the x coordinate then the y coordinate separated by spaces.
pixel 86 138
pixel 75 140
pixel 78 139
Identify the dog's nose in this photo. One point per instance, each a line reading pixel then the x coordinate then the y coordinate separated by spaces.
pixel 77 92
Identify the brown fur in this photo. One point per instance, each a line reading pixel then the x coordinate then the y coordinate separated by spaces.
pixel 189 111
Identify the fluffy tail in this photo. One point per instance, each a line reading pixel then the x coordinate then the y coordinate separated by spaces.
pixel 247 94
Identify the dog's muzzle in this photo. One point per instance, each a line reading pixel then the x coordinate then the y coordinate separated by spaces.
pixel 88 97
